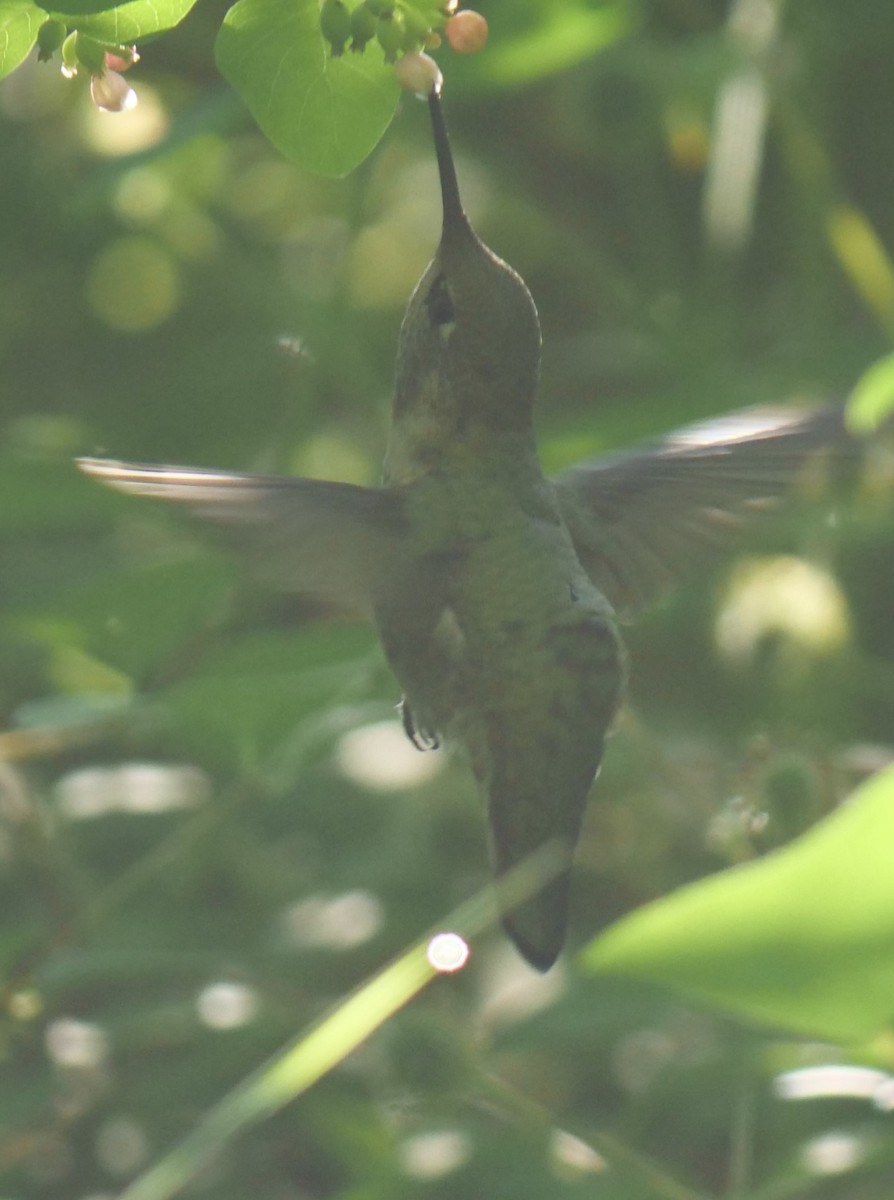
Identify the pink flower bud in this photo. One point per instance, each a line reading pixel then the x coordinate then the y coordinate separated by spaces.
pixel 123 61
pixel 418 73
pixel 466 31
pixel 111 92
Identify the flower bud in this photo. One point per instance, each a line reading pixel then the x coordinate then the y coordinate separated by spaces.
pixel 466 31
pixel 70 56
pixel 50 37
pixel 418 73
pixel 335 24
pixel 111 92
pixel 417 27
pixel 363 26
pixel 390 31
pixel 122 59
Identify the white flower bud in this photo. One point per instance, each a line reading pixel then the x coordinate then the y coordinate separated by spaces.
pixel 418 73
pixel 111 92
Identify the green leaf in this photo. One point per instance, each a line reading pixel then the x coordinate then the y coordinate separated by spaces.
pixel 19 24
pixel 247 697
pixel 873 397
pixel 68 9
pixel 325 113
pixel 802 939
pixel 123 23
pixel 133 621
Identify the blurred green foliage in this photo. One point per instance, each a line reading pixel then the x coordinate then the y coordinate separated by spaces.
pixel 210 828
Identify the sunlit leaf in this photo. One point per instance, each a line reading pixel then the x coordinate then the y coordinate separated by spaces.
pixel 865 259
pixel 77 8
pixel 124 23
pixel 322 112
pixel 803 939
pixel 19 22
pixel 873 397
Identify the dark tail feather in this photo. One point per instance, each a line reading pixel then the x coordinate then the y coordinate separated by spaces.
pixel 537 926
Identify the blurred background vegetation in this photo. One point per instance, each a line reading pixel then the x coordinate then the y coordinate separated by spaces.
pixel 211 827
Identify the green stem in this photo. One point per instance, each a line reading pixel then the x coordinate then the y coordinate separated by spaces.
pixel 647 1180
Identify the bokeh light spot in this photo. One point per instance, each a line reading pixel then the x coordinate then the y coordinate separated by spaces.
pixel 785 595
pixel 573 1157
pixel 448 952
pixel 137 128
pixel 336 923
pixel 142 195
pixel 383 267
pixel 227 1005
pixel 433 1155
pixel 832 1153
pixel 121 1146
pixel 381 757
pixel 133 285
pixel 73 1043
pixel 132 787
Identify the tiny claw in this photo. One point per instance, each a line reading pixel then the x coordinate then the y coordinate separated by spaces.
pixel 421 739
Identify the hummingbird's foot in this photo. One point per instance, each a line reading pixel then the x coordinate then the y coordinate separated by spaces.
pixel 422 739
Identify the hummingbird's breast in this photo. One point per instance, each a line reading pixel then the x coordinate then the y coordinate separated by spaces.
pixel 510 571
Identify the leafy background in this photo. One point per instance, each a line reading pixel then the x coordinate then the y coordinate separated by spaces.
pixel 210 828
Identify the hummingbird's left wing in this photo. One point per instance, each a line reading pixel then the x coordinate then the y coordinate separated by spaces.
pixel 332 541
pixel 639 520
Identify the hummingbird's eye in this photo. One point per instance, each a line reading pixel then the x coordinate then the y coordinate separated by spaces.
pixel 439 304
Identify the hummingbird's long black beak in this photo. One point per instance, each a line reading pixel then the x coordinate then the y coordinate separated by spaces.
pixel 455 219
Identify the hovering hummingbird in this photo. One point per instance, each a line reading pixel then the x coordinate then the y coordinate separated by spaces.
pixel 495 591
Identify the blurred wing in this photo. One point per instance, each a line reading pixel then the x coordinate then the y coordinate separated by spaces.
pixel 331 541
pixel 639 520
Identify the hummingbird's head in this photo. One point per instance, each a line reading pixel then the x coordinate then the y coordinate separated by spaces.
pixel 469 354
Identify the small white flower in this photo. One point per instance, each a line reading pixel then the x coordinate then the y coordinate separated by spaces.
pixel 111 92
pixel 418 73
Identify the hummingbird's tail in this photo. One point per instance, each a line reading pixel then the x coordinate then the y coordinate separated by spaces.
pixel 536 755
pixel 537 926
pixel 536 796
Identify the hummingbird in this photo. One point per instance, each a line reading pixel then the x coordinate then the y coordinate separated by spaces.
pixel 497 592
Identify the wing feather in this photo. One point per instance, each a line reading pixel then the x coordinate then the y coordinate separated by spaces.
pixel 639 520
pixel 333 541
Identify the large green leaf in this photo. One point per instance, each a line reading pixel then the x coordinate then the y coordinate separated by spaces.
pixel 19 23
pixel 68 9
pixel 324 113
pixel 124 23
pixel 803 938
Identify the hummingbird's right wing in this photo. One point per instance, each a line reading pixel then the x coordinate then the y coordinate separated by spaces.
pixel 330 541
pixel 639 520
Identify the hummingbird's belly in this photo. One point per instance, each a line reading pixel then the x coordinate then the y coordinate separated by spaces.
pixel 519 627
pixel 522 577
